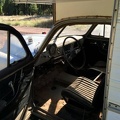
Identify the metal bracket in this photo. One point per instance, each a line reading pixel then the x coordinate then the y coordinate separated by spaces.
pixel 114 107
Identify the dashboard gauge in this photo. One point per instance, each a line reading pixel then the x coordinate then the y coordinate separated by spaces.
pixel 51 48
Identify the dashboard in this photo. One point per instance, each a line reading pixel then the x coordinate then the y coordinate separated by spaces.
pixel 54 50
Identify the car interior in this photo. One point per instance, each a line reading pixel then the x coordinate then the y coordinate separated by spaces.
pixel 70 74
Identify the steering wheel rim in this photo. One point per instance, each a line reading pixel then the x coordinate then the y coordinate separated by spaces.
pixel 77 50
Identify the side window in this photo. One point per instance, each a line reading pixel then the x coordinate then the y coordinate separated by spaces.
pixel 98 31
pixel 102 30
pixel 17 51
pixel 3 55
pixel 107 31
pixel 11 49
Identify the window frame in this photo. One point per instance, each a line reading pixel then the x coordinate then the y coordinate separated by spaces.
pixel 20 63
pixel 104 31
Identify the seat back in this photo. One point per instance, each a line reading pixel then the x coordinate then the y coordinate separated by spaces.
pixel 98 97
pixel 86 93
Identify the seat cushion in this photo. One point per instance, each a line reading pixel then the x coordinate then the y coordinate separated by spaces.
pixel 82 91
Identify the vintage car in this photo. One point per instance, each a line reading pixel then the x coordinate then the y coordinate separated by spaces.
pixel 58 76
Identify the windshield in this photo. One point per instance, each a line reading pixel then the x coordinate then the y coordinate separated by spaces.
pixel 75 30
pixel 72 30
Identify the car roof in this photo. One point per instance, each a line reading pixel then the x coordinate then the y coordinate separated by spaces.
pixel 84 20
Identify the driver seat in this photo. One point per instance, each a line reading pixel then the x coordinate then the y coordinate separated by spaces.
pixel 85 93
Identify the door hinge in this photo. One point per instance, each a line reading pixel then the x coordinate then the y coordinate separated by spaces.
pixel 114 107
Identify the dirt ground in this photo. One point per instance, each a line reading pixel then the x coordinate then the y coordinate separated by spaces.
pixel 23 30
pixel 31 30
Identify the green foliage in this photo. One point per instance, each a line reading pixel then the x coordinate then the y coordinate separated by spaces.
pixel 1 10
pixel 33 9
pixel 1 6
pixel 8 7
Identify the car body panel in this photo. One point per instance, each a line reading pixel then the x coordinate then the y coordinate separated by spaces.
pixel 83 8
pixel 112 96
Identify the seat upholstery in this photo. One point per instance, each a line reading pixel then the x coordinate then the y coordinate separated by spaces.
pixel 85 93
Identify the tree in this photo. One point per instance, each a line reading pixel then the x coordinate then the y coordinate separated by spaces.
pixel 9 7
pixel 1 6
pixel 33 9
pixel 44 9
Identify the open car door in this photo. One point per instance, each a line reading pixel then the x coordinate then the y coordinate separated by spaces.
pixel 15 72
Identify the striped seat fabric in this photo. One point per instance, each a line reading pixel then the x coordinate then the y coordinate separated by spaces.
pixel 84 87
pixel 81 91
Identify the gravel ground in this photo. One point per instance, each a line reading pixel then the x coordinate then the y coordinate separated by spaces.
pixel 31 30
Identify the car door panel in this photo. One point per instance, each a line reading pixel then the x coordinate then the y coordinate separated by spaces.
pixel 15 79
pixel 20 97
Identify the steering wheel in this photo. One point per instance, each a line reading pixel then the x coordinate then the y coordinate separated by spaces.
pixel 73 53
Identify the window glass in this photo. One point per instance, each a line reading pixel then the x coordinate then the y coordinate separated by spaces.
pixel 107 31
pixel 3 49
pixel 98 31
pixel 17 51
pixel 102 30
pixel 57 33
pixel 75 30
